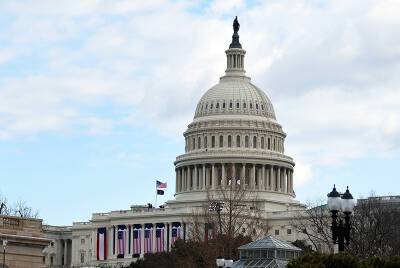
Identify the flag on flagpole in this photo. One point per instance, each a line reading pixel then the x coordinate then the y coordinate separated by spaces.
pixel 160 192
pixel 161 185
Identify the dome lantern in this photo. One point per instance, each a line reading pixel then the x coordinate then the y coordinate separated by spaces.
pixel 235 54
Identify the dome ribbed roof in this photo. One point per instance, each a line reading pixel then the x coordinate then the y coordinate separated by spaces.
pixel 235 96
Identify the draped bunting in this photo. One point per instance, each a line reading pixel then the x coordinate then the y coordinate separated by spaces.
pixel 101 244
pixel 121 240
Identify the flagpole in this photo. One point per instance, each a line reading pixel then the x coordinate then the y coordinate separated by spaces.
pixel 156 198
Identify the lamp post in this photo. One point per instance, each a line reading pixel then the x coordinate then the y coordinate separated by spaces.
pixel 4 252
pixel 217 207
pixel 341 203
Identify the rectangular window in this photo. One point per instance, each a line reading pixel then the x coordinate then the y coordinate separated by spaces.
pixel 221 141
pixel 289 231
pixel 82 241
pixel 82 257
pixel 212 141
pixel 276 232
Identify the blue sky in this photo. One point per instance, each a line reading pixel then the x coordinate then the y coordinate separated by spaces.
pixel 95 95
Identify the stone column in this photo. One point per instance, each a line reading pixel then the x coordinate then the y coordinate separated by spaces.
pixel 153 239
pixel 190 179
pixel 166 238
pixel 262 180
pixel 271 177
pixel 242 176
pixel 223 181
pixel 233 174
pixel 204 177
pixel 279 179
pixel 170 236
pixel 213 178
pixel 66 252
pixel 253 177
pixel 183 179
pixel 142 240
pixel 291 181
pixel 196 178
pixel 285 173
pixel 180 180
pixel 176 180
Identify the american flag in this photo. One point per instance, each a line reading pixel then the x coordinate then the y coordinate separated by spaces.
pixel 101 244
pixel 121 240
pixel 161 185
pixel 160 239
pixel 137 240
pixel 176 233
pixel 148 235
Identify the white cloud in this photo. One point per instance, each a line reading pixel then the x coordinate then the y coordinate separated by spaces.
pixel 331 68
pixel 302 173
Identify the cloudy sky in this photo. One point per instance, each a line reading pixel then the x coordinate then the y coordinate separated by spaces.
pixel 95 94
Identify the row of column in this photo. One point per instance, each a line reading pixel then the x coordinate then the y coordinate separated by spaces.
pixel 112 245
pixel 235 61
pixel 253 176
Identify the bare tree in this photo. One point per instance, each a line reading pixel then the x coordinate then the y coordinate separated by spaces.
pixel 22 210
pixel 4 208
pixel 376 227
pixel 231 211
pixel 314 223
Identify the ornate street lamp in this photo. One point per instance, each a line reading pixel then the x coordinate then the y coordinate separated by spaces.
pixel 344 203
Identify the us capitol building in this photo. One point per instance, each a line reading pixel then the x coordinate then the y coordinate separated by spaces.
pixel 234 138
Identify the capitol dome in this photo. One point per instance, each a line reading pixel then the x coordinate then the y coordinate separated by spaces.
pixel 235 96
pixel 235 139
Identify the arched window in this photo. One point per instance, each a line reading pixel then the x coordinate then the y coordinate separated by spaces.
pixel 238 141
pixel 262 143
pixel 205 142
pixel 269 143
pixel 262 107
pixel 251 105
pixel 244 105
pixel 254 142
pixel 198 143
pixel 229 141
pixel 230 105
pixel 212 141
pixel 223 105
pixel 274 145
pixel 211 105
pixel 257 106
pixel 246 141
pixel 217 106
pixel 237 105
pixel 221 141
pixel 206 106
pixel 193 143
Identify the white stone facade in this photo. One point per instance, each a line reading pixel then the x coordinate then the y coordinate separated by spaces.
pixel 234 139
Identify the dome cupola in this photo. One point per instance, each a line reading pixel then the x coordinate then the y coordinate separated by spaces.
pixel 235 94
